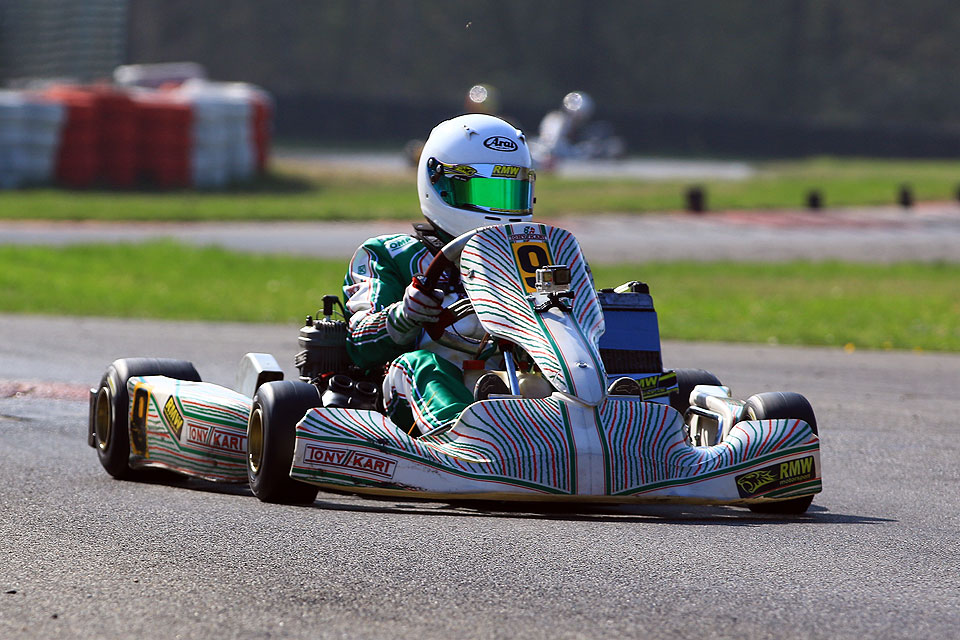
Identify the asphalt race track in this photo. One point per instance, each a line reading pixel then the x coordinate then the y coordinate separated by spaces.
pixel 84 556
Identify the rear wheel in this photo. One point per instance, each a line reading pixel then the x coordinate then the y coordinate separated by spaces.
pixel 271 436
pixel 687 379
pixel 111 408
pixel 780 405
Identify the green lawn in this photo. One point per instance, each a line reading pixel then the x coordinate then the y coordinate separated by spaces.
pixel 895 306
pixel 295 191
pixel 901 306
pixel 776 185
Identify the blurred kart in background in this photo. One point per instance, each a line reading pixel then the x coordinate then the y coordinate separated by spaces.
pixel 569 133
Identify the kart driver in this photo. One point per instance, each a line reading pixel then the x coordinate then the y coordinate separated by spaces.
pixel 559 129
pixel 475 170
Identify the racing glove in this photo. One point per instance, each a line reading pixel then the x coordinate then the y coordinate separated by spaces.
pixel 421 306
pixel 407 316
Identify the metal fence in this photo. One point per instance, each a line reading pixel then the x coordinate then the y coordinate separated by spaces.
pixel 80 40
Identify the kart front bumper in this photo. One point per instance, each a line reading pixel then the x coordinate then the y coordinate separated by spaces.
pixel 554 449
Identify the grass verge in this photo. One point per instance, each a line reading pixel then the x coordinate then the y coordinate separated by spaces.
pixel 300 191
pixel 899 306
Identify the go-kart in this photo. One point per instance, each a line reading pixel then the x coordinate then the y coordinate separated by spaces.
pixel 612 426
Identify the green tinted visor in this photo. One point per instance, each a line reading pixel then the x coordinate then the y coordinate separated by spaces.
pixel 484 187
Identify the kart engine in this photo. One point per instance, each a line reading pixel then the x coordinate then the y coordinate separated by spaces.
pixel 323 361
pixel 324 344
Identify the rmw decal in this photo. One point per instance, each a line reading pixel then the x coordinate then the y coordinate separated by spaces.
pixel 173 416
pixel 776 476
pixel 753 482
pixel 350 459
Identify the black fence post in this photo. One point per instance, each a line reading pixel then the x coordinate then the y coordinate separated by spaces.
pixel 905 196
pixel 696 197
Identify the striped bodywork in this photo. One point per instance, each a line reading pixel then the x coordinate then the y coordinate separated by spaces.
pixel 623 450
pixel 521 445
pixel 212 440
pixel 646 449
pixel 493 281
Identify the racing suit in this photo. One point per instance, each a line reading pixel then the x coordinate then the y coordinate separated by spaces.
pixel 423 387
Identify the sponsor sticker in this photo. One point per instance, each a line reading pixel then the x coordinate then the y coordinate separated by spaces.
pixel 138 421
pixel 197 435
pixel 500 143
pixel 505 171
pixel 173 416
pixel 658 386
pixel 531 256
pixel 529 233
pixel 459 171
pixel 350 460
pixel 228 441
pixel 776 476
pixel 217 438
pixel 397 245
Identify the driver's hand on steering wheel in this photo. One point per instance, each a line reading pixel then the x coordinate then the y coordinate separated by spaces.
pixel 421 306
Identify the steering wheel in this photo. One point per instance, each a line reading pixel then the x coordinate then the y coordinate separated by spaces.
pixel 446 258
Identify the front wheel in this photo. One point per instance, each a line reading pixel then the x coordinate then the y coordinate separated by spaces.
pixel 780 405
pixel 110 411
pixel 687 379
pixel 271 437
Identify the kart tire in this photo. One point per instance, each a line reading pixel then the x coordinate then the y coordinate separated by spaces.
pixel 271 436
pixel 687 379
pixel 111 409
pixel 778 405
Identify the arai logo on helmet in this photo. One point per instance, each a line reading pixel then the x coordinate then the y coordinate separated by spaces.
pixel 499 143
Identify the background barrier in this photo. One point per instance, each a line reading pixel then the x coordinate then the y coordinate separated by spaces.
pixel 196 134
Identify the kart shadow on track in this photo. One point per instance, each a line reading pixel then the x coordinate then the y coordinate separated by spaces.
pixel 175 480
pixel 650 514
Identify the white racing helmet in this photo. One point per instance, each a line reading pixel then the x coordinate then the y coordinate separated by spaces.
pixel 475 170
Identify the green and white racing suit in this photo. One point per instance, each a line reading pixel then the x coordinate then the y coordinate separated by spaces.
pixel 423 388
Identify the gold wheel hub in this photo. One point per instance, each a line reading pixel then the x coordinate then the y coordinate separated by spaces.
pixel 255 441
pixel 103 420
